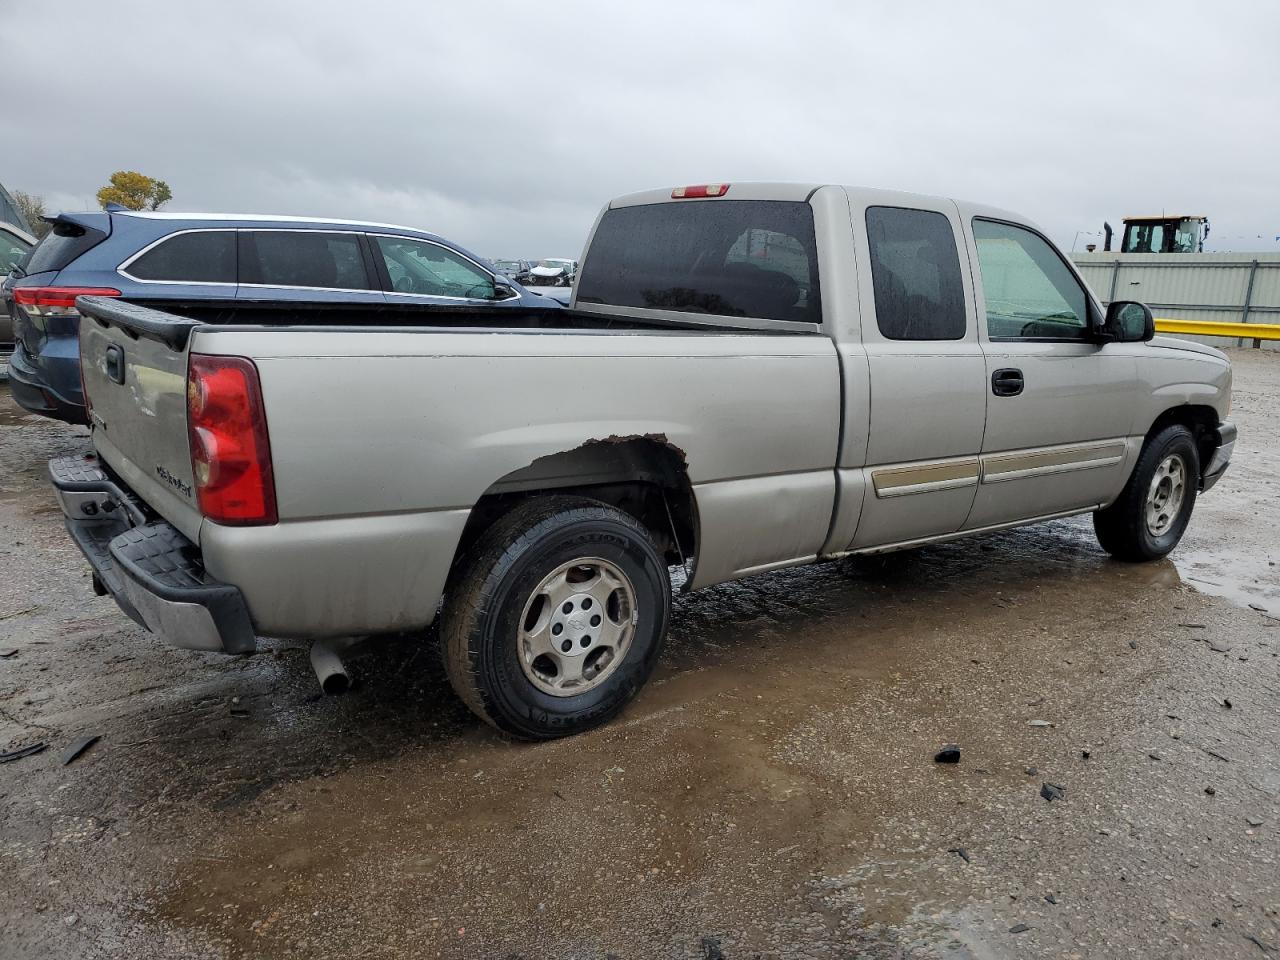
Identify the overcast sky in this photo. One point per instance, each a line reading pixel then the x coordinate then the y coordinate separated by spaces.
pixel 505 126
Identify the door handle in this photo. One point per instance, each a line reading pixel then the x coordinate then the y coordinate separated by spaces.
pixel 1007 382
pixel 115 363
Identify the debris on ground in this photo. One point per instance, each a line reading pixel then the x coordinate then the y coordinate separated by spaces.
pixel 78 747
pixel 18 754
pixel 1224 702
pixel 1051 898
pixel 948 754
pixel 8 652
pixel 960 852
pixel 1210 791
pixel 1019 928
pixel 1261 945
pixel 1039 723
pixel 1253 821
pixel 1051 791
pixel 711 949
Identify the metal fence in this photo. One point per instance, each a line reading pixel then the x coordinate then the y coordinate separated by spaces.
pixel 1215 287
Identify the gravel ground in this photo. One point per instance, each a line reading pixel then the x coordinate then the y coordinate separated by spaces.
pixel 772 793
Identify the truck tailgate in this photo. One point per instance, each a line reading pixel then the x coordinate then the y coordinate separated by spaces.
pixel 134 363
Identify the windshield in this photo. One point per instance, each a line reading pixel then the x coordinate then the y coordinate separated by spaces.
pixel 553 264
pixel 507 265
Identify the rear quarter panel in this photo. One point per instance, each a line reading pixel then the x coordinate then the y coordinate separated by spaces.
pixel 383 440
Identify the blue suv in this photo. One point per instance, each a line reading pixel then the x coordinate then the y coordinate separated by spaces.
pixel 255 269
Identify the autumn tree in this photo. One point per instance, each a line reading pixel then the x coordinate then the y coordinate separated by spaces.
pixel 31 206
pixel 135 190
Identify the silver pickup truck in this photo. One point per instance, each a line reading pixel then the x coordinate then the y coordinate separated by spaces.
pixel 749 376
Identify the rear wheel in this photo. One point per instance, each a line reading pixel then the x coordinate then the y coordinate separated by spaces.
pixel 1150 515
pixel 556 617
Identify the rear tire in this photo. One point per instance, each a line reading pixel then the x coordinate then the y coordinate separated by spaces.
pixel 555 617
pixel 1152 512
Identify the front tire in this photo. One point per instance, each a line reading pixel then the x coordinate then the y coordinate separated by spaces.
pixel 1152 512
pixel 555 617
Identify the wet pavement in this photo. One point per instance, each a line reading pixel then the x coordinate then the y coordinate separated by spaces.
pixel 771 793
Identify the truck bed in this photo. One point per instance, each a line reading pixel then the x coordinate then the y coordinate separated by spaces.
pixel 385 431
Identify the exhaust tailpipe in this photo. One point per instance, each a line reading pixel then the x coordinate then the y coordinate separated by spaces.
pixel 327 662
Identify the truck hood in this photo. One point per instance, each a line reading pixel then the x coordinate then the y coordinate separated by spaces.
pixel 1176 343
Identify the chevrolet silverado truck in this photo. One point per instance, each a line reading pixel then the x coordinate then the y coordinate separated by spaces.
pixel 749 376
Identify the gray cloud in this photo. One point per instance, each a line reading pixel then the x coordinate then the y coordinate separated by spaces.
pixel 506 126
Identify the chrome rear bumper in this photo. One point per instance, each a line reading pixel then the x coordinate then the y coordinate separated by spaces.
pixel 152 571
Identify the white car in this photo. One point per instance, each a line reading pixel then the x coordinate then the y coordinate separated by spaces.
pixel 553 272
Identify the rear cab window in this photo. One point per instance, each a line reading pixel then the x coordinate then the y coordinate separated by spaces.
pixel 199 256
pixel 915 268
pixel 307 259
pixel 726 258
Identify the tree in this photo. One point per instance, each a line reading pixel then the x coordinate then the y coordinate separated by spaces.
pixel 135 190
pixel 31 206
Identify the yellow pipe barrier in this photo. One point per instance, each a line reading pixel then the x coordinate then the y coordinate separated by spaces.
pixel 1212 328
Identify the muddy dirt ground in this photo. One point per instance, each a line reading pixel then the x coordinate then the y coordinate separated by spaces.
pixel 771 794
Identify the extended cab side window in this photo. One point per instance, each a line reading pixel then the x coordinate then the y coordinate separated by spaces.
pixel 203 256
pixel 302 258
pixel 428 269
pixel 915 271
pixel 1030 293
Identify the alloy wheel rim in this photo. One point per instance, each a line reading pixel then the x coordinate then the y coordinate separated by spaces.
pixel 1165 495
pixel 577 626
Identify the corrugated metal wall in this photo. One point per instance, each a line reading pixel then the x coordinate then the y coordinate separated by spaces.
pixel 1227 287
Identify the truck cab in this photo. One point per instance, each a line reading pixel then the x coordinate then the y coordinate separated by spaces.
pixel 1165 234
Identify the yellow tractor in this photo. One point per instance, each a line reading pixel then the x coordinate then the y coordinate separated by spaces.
pixel 1162 234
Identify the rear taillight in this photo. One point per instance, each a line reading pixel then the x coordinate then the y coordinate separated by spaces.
pixel 230 453
pixel 56 301
pixel 699 191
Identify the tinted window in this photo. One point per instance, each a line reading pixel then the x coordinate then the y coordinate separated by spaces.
pixel 60 246
pixel 1030 292
pixel 734 258
pixel 303 258
pixel 915 271
pixel 12 249
pixel 416 266
pixel 203 257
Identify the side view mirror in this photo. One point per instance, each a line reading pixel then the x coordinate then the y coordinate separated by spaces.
pixel 502 290
pixel 1128 321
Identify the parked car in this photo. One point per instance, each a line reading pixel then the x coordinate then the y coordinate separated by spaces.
pixel 215 262
pixel 749 377
pixel 517 270
pixel 15 244
pixel 553 272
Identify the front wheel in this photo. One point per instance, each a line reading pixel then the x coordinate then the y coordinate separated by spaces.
pixel 1152 512
pixel 556 617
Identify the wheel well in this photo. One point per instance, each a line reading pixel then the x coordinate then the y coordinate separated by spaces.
pixel 1201 420
pixel 644 476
